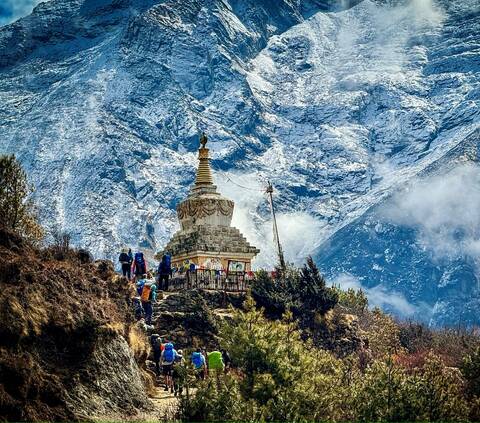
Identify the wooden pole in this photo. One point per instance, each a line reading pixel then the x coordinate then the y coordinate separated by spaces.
pixel 276 238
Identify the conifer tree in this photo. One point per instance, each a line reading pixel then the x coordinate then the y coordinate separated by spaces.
pixel 384 393
pixel 471 371
pixel 17 212
pixel 314 293
pixel 439 392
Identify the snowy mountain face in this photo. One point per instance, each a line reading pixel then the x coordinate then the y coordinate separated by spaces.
pixel 364 115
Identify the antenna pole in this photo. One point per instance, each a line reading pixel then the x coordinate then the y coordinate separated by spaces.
pixel 275 228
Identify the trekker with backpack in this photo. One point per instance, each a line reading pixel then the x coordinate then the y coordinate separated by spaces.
pixel 215 362
pixel 227 361
pixel 179 373
pixel 148 295
pixel 199 364
pixel 156 343
pixel 124 260
pixel 164 272
pixel 139 266
pixel 138 308
pixel 167 359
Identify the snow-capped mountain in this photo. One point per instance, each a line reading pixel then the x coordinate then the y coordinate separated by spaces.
pixel 364 115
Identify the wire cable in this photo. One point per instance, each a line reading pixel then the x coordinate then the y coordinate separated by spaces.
pixel 233 182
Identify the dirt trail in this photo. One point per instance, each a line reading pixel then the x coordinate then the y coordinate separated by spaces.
pixel 165 402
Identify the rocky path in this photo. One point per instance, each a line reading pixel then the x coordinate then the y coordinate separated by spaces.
pixel 165 402
pixel 170 314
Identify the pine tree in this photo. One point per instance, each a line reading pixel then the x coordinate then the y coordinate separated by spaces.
pixel 383 334
pixel 384 393
pixel 439 392
pixel 17 212
pixel 314 294
pixel 471 372
pixel 287 379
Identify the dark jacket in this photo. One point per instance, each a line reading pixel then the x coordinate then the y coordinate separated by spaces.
pixel 164 268
pixel 124 259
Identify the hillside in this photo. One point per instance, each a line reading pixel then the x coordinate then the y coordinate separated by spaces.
pixel 69 347
pixel 72 350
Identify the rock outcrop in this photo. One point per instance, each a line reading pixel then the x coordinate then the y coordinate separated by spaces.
pixel 69 348
pixel 191 318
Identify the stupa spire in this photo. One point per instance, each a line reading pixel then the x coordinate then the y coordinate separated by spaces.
pixel 204 172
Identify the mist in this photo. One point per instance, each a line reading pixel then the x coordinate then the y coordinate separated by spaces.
pixel 378 296
pixel 444 211
pixel 299 231
pixel 11 10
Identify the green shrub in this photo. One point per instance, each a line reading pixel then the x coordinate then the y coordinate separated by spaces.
pixel 302 292
pixel 355 301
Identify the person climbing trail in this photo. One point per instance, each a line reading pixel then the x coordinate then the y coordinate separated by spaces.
pixel 167 359
pixel 199 364
pixel 179 373
pixel 215 362
pixel 124 260
pixel 227 361
pixel 139 266
pixel 130 256
pixel 148 295
pixel 156 343
pixel 138 309
pixel 164 272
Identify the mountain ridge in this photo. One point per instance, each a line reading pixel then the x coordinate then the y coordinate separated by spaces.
pixel 339 107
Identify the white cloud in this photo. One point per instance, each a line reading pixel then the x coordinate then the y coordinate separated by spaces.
pixel 444 210
pixel 298 231
pixel 11 10
pixel 378 296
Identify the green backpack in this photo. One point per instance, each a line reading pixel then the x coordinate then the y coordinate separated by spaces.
pixel 215 361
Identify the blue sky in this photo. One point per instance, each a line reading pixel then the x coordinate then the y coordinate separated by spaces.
pixel 11 10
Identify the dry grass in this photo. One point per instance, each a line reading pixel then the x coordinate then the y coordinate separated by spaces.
pixel 138 343
pixel 52 314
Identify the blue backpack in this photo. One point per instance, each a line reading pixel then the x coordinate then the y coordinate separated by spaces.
pixel 168 260
pixel 169 353
pixel 139 259
pixel 140 262
pixel 197 360
pixel 140 285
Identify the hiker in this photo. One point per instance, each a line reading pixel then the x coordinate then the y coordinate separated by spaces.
pixel 199 364
pixel 164 272
pixel 124 260
pixel 148 295
pixel 137 305
pixel 156 343
pixel 227 361
pixel 139 266
pixel 178 374
pixel 215 362
pixel 167 359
